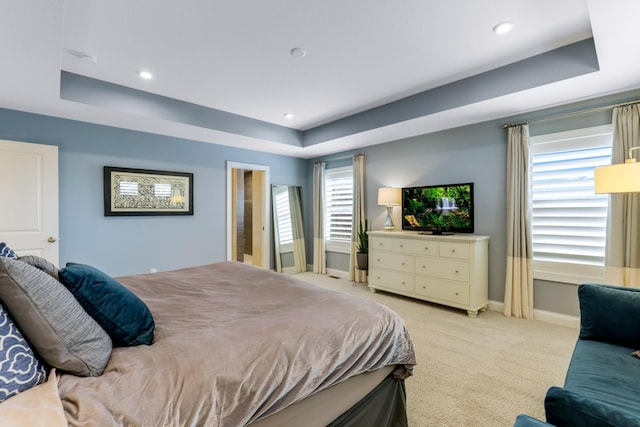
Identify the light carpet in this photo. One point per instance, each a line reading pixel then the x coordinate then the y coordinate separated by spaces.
pixel 472 372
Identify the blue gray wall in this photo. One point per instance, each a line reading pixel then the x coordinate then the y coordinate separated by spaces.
pixel 475 153
pixel 131 245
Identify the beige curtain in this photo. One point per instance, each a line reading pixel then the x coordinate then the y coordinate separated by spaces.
pixel 518 292
pixel 622 259
pixel 299 251
pixel 359 276
pixel 319 257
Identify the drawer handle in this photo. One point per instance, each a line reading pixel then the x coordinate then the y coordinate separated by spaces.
pixel 380 243
pixel 424 266
pixel 424 287
pixel 402 246
pixel 403 263
pixel 378 277
pixel 456 294
pixel 426 248
pixel 403 283
pixel 378 259
pixel 457 272
pixel 453 251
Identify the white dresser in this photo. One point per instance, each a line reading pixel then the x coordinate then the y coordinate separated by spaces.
pixel 450 270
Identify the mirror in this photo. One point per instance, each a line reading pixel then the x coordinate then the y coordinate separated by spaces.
pixel 288 229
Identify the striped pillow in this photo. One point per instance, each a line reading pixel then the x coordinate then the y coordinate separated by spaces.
pixel 55 324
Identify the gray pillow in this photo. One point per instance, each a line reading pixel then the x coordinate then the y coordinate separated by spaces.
pixel 41 264
pixel 51 319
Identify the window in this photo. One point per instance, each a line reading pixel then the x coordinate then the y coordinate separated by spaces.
pixel 569 219
pixel 338 208
pixel 283 218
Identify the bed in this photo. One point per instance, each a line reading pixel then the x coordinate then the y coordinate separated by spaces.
pixel 235 345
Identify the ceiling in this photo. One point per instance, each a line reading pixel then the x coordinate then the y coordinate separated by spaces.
pixel 372 71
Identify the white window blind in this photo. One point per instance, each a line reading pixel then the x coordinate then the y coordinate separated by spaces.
pixel 569 220
pixel 283 216
pixel 338 208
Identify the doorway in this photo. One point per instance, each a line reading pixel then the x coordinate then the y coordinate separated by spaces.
pixel 248 214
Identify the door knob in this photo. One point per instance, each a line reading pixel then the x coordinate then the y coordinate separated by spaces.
pixel 51 239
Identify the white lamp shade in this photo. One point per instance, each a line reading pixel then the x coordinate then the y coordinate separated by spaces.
pixel 619 178
pixel 389 196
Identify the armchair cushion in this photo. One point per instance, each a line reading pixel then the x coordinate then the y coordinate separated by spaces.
pixel 568 408
pixel 610 314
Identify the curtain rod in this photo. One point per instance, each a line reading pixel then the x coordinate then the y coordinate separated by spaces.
pixel 338 158
pixel 575 113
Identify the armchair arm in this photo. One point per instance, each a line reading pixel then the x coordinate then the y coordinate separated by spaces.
pixel 565 408
pixel 610 314
pixel 527 421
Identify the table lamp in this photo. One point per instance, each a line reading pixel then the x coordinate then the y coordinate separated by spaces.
pixel 389 197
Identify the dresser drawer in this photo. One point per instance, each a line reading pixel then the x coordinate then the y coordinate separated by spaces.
pixel 392 261
pixel 454 250
pixel 442 290
pixel 381 243
pixel 416 247
pixel 391 279
pixel 443 268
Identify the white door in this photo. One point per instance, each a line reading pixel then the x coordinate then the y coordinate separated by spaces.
pixel 29 199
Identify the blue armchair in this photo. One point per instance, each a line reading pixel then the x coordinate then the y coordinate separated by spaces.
pixel 602 385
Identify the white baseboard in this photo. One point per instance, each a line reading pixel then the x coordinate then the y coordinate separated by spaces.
pixel 544 316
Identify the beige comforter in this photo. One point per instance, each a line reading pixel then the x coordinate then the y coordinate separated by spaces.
pixel 234 343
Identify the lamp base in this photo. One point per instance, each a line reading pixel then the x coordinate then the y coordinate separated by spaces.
pixel 388 222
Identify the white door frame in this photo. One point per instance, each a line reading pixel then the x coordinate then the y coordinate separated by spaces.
pixel 266 214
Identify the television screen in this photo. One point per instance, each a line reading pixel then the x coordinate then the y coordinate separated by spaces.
pixel 438 208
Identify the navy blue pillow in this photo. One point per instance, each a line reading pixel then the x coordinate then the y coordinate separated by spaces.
pixel 121 314
pixel 20 369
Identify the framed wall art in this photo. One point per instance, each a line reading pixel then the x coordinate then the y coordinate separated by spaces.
pixel 130 192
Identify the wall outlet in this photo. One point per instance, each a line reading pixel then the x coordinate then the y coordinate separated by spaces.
pixel 153 270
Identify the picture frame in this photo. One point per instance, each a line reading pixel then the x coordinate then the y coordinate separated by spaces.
pixel 138 192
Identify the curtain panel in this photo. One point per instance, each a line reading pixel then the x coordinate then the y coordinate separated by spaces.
pixel 622 258
pixel 358 276
pixel 319 256
pixel 518 294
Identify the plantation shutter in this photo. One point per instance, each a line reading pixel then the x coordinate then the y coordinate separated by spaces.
pixel 569 220
pixel 338 204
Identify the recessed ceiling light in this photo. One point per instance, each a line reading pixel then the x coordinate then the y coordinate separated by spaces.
pixel 503 27
pixel 145 74
pixel 288 115
pixel 298 52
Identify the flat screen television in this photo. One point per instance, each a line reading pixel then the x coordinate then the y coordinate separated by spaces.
pixel 438 209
